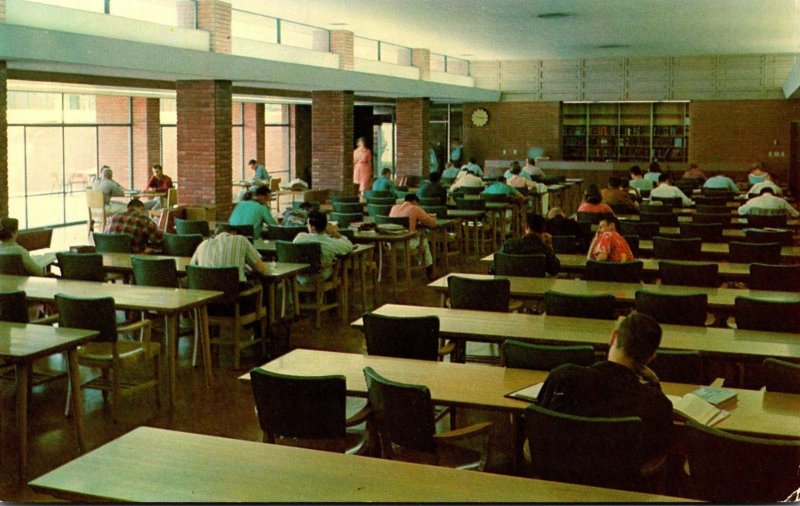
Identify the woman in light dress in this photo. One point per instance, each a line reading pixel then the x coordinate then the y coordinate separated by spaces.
pixel 362 166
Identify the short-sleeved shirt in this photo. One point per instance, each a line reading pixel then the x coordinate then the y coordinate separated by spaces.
pixel 160 185
pixel 756 189
pixel 721 182
pixel 252 212
pixel 642 184
pixel 533 170
pixel 141 228
pixel 12 248
pixel 769 203
pixel 468 179
pixel 110 188
pixel 613 245
pixel 330 247
pixel 432 190
pixel 753 178
pixel 508 175
pixel 383 184
pixel 414 213
pixel 501 189
pixel 586 207
pixel 227 250
pixel 260 173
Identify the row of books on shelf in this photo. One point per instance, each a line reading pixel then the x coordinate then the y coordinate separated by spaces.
pixel 624 131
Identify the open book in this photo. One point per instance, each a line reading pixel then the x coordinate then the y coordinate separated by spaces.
pixel 527 394
pixel 694 408
pixel 715 395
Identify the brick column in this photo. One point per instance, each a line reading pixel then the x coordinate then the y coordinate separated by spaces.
pixel 421 58
pixel 146 115
pixel 332 140
pixel 254 131
pixel 3 136
pixel 204 144
pixel 213 16
pixel 412 136
pixel 342 42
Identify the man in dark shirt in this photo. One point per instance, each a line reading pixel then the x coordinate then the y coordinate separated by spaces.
pixel 535 242
pixel 558 224
pixel 621 386
pixel 433 188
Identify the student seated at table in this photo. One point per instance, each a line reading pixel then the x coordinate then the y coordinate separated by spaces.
pixel 666 189
pixel 638 181
pixel 8 246
pixel 253 210
pixel 466 178
pixel 622 385
pixel 593 201
pixel 510 172
pixel 613 195
pixel 384 183
pixel 134 221
pixel 416 216
pixel 535 242
pixel 694 172
pixel 653 171
pixel 559 224
pixel 515 178
pixel 473 167
pixel 332 244
pixel 531 169
pixel 608 245
pixel 450 171
pixel 297 217
pixel 720 181
pixel 767 201
pixel 227 249
pixel 110 188
pixel 159 182
pixel 633 193
pixel 501 188
pixel 755 190
pixel 432 188
pixel 757 174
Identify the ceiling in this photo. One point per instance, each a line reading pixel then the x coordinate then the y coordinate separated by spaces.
pixel 511 30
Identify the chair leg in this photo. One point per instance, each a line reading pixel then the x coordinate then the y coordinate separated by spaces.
pixel 115 391
pixel 318 306
pixel 236 349
pixel 157 374
pixel 196 316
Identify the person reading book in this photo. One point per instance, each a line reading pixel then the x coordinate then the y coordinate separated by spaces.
pixel 620 386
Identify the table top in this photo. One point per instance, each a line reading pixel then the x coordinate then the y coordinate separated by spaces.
pixel 135 297
pixel 465 213
pixel 497 327
pixel 736 221
pixel 485 386
pixel 534 288
pixel 265 246
pixel 719 248
pixel 121 262
pixel 175 466
pixel 727 233
pixel 28 341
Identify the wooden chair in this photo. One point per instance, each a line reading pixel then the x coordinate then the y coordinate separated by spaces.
pixel 404 337
pixel 644 229
pixel 531 266
pixel 718 193
pixel 677 249
pixel 311 253
pixel 97 210
pixel 541 357
pixel 113 243
pixel 767 220
pixel 107 352
pixel 622 272
pixel 181 245
pixel 677 309
pixel 678 366
pixel 482 229
pixel 382 201
pixel 722 208
pixel 581 306
pixel 480 295
pixel 307 411
pixel 727 467
pixel 707 232
pixel 668 201
pixel 405 426
pixel 343 220
pixel 11 263
pixel 378 194
pixel 655 207
pixel 243 230
pixel 430 201
pixel 81 266
pixel 750 252
pixel 688 274
pixel 723 218
pixel 781 376
pixel 785 237
pixel 192 227
pixel 35 238
pixel 784 278
pixel 234 310
pixel 378 210
pixel 348 207
pixel 279 233
pixel 768 315
pixel 703 200
pixel 663 219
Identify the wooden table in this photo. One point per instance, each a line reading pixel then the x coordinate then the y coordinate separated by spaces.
pixel 157 465
pixel 490 327
pixel 168 301
pixel 720 299
pixel 728 234
pixel 392 240
pixel 736 221
pixel 465 215
pixel 720 251
pixel 22 344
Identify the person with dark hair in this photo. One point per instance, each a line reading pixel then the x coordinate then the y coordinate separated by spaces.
pixel 633 193
pixel 767 203
pixel 694 172
pixel 416 216
pixel 466 178
pixel 559 224
pixel 613 195
pixel 134 221
pixel 450 171
pixel 500 187
pixel 535 242
pixel 516 169
pixel 531 169
pixel 297 217
pixel 638 181
pixel 665 189
pixel 362 165
pixel 159 182
pixel 593 201
pixel 755 190
pixel 608 245
pixel 622 385
pixel 515 178
pixel 473 167
pixel 384 183
pixel 653 172
pixel 8 246
pixel 260 173
pixel 432 188
pixel 331 242
pixel 757 174
pixel 254 212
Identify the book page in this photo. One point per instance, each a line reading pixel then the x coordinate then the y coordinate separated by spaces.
pixel 528 393
pixel 695 408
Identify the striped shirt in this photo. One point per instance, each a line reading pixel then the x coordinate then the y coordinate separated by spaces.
pixel 226 250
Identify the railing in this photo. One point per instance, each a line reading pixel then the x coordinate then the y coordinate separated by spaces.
pixel 371 49
pixel 449 64
pixel 163 12
pixel 254 26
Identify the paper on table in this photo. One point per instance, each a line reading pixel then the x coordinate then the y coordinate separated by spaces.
pixel 695 408
pixel 44 259
pixel 529 394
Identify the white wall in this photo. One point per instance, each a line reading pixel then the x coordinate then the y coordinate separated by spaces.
pixel 456 79
pixel 385 69
pixel 278 52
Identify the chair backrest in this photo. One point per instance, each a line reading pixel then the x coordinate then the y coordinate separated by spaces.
pixel 471 190
pixel 542 357
pixel 760 235
pixel 243 230
pixel 677 249
pixel 567 448
pixel 297 203
pixel 565 244
pixel 768 315
pixel 187 227
pixel 530 266
pixel 591 217
pixel 723 219
pixel 13 307
pixel 383 201
pixel 707 232
pixel 752 252
pixel 403 221
pixel 678 366
pixel 378 194
pixel 222 279
pixel 687 185
pixel 678 309
pixel 11 263
pixel 279 233
pixel 719 193
pixel 351 199
pixel 181 245
pixel 348 207
pixel 172 197
pixel 275 185
pixel 306 407
pixel 402 337
pixel 94 199
pixel 644 229
pixel 623 272
pixel 95 313
pixel 655 207
pixel 470 204
pixel 112 243
pixel 633 243
pixel 403 413
pixel 668 201
pixel 663 219
pixel 378 210
pixel 300 253
pixel 781 376
pixel 705 200
pixel 149 271
pixel 712 209
pixel 436 210
pixel 767 220
pixel 491 197
pixel 81 266
pixel 723 466
pixel 35 238
pixel 479 294
pixel 343 220
pixel 600 307
pixel 623 209
pixel 430 201
pixel 785 278
pixel 688 274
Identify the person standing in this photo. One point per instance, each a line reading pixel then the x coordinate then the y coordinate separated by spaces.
pixel 362 165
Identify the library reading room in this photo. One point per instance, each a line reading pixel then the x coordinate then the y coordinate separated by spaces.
pixel 440 251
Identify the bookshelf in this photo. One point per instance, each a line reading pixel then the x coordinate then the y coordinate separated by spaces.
pixel 625 131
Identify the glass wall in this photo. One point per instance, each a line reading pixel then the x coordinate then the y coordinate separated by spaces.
pixel 56 143
pixel 277 141
pixel 168 116
pixel 237 143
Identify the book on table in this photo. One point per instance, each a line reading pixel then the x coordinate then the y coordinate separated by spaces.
pixel 715 395
pixel 697 409
pixel 529 393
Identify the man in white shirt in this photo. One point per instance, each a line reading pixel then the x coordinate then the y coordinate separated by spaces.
pixel 473 167
pixel 531 169
pixel 332 243
pixel 665 189
pixel 769 202
pixel 755 191
pixel 467 178
pixel 229 250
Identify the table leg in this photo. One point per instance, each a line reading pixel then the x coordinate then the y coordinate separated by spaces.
pixel 172 354
pixel 347 265
pixel 408 258
pixel 363 279
pixel 393 268
pixel 77 397
pixel 22 416
pixel 205 342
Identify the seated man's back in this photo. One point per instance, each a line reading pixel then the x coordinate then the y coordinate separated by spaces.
pixel 331 243
pixel 228 250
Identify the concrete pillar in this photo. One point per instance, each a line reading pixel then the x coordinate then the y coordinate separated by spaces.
pixel 332 140
pixel 342 43
pixel 421 58
pixel 412 137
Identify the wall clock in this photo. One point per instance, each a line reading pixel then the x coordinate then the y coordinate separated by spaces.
pixel 480 117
